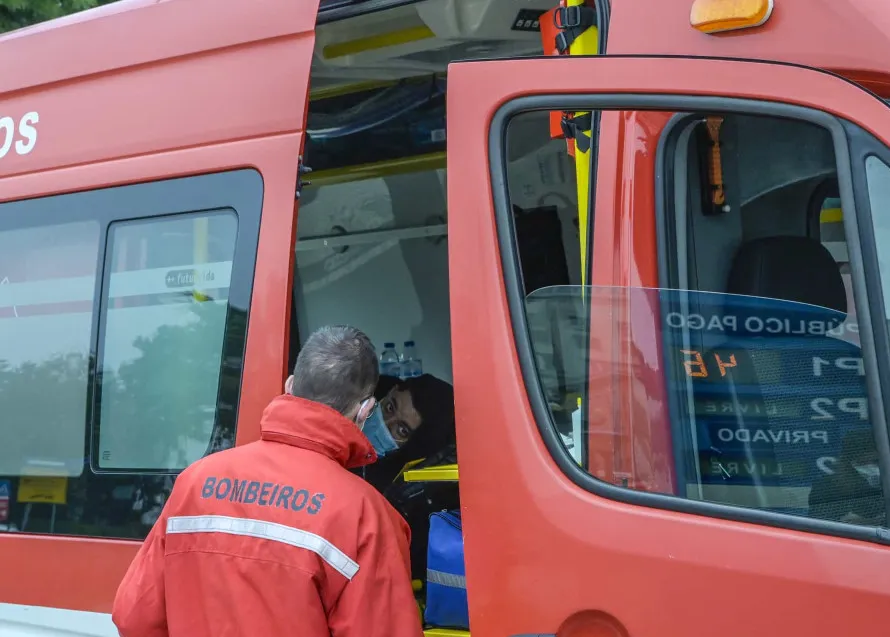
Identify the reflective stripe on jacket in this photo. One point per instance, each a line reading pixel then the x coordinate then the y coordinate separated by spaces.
pixel 275 538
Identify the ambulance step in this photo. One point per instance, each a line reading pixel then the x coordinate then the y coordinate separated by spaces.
pixel 445 632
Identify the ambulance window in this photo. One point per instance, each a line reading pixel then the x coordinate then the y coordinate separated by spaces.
pixel 47 283
pixel 543 191
pixel 122 330
pixel 739 381
pixel 165 299
pixel 766 382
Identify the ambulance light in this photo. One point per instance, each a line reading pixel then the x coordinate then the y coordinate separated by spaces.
pixel 716 16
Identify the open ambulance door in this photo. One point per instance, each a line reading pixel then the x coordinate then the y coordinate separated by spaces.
pixel 569 546
pixel 152 152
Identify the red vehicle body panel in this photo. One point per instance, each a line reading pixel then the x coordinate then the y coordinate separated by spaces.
pixel 137 108
pixel 845 36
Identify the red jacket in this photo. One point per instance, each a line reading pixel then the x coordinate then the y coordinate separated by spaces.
pixel 275 538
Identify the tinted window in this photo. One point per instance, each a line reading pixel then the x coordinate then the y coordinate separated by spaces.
pixel 166 300
pixel 122 346
pixel 47 288
pixel 548 224
pixel 743 381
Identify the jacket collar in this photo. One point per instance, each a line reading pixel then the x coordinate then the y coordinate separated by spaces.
pixel 316 427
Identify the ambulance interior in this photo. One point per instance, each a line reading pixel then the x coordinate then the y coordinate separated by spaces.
pixel 372 244
pixel 372 238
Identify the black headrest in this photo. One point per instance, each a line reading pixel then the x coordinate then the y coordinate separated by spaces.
pixel 797 269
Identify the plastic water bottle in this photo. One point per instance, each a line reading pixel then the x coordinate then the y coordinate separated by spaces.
pixel 389 360
pixel 411 364
pixel 403 369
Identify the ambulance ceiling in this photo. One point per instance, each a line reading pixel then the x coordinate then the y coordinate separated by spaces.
pixel 422 38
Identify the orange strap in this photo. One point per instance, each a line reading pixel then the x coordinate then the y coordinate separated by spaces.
pixel 718 193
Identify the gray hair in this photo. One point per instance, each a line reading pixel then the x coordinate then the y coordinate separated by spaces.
pixel 337 367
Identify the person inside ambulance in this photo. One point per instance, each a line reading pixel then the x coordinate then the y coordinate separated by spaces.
pixel 418 414
pixel 278 537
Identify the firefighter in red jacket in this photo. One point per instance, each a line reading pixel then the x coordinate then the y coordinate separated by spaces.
pixel 277 537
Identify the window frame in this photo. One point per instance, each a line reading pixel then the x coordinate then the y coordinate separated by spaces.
pixel 864 250
pixel 238 190
pixel 522 339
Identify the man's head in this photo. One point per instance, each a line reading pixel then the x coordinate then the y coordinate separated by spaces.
pixel 400 413
pixel 422 406
pixel 425 403
pixel 337 367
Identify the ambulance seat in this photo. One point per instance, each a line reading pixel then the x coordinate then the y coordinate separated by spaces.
pixel 797 270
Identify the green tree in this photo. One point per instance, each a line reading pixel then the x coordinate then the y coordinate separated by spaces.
pixel 161 405
pixel 42 412
pixel 15 14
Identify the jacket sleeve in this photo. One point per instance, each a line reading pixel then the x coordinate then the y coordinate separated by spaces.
pixel 379 600
pixel 139 609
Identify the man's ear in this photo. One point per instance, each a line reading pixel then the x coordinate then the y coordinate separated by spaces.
pixel 289 385
pixel 365 410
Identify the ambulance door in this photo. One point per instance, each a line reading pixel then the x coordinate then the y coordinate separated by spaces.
pixel 562 535
pixel 149 160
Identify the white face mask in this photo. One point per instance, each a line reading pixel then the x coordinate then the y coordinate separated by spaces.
pixel 871 473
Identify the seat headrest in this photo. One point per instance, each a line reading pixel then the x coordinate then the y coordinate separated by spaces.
pixel 797 269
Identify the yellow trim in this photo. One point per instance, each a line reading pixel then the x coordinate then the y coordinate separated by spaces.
pixel 412 463
pixel 445 632
pixel 831 215
pixel 348 89
pixel 582 181
pixel 443 473
pixel 359 87
pixel 586 44
pixel 381 41
pixel 388 168
pixel 408 465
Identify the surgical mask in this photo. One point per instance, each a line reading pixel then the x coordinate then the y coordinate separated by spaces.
pixel 871 473
pixel 376 431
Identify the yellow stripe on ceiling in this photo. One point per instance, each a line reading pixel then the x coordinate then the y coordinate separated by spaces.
pixel 348 89
pixel 381 41
pixel 387 168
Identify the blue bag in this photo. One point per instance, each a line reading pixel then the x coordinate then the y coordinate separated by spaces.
pixel 446 583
